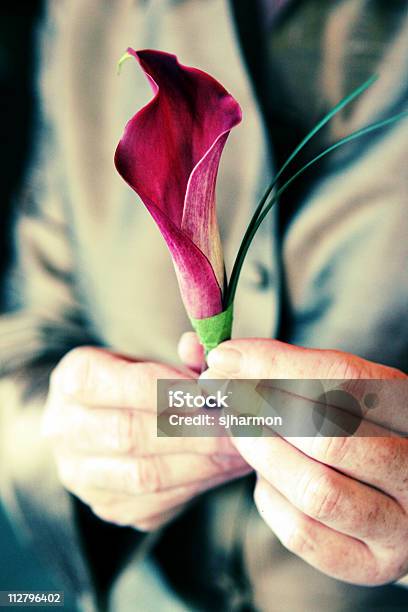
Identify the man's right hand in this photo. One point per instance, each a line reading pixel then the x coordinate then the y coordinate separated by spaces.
pixel 101 418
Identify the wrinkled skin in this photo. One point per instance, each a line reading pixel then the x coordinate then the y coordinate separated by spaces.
pixel 100 418
pixel 340 503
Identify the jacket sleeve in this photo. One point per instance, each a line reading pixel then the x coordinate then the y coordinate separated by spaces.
pixel 43 318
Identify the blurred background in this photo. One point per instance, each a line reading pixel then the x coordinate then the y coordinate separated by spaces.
pixel 19 569
pixel 17 28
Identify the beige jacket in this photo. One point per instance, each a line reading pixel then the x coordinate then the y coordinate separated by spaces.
pixel 92 267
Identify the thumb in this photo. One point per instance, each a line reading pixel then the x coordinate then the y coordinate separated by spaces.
pixel 265 358
pixel 191 352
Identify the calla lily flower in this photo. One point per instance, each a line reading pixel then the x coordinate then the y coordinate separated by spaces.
pixel 169 154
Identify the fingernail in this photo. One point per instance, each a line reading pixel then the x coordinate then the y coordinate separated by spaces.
pixel 211 374
pixel 225 360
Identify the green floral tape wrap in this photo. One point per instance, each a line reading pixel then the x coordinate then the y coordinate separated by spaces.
pixel 214 330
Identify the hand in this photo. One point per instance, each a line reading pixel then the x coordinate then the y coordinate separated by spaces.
pixel 101 418
pixel 340 503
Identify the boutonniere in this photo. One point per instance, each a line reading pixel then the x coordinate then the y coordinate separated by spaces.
pixel 169 154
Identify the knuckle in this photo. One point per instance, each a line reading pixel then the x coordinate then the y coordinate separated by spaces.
pixel 154 520
pixel 141 372
pixel 147 476
pixel 127 434
pixel 394 568
pixel 260 497
pixel 66 473
pixel 147 525
pixel 108 515
pixel 137 382
pixel 51 424
pixel 384 571
pixel 75 365
pixel 299 538
pixel 78 355
pixel 331 450
pixel 102 498
pixel 344 366
pixel 392 564
pixel 55 377
pixel 219 464
pixel 319 497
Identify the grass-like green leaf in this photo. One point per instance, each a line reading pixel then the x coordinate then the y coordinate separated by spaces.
pixel 242 249
pixel 256 222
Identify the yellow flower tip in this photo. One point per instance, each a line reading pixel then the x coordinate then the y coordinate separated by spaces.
pixel 123 59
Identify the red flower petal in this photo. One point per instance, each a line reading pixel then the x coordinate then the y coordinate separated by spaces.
pixel 169 154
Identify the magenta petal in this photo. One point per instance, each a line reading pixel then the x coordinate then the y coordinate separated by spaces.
pixel 198 285
pixel 169 154
pixel 199 215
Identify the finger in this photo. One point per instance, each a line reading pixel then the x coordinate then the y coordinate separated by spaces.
pixel 128 510
pixel 382 400
pixel 360 407
pixel 261 358
pixel 96 377
pixel 270 359
pixel 123 431
pixel 143 475
pixel 144 505
pixel 191 351
pixel 324 494
pixel 378 461
pixel 333 553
